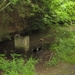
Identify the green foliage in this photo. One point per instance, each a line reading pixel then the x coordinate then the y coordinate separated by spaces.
pixel 36 22
pixel 37 14
pixel 4 35
pixel 13 1
pixel 68 8
pixel 52 13
pixel 53 62
pixel 17 66
pixel 62 10
pixel 64 46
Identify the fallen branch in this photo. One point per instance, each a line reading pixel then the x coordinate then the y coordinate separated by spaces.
pixel 51 56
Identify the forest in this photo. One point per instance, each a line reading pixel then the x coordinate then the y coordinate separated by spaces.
pixel 50 25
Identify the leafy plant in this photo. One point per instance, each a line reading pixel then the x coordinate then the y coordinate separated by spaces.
pixel 64 46
pixel 17 66
pixel 36 15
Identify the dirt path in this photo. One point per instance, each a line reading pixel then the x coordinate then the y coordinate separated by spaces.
pixel 61 69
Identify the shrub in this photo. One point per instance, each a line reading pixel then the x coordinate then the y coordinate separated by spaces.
pixel 17 66
pixel 64 46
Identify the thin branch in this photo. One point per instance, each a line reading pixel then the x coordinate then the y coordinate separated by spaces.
pixel 3 3
pixel 5 6
pixel 51 56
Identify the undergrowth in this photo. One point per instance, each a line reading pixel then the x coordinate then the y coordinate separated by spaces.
pixel 17 66
pixel 63 47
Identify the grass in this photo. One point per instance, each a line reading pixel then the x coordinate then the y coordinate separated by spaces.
pixel 17 66
pixel 63 46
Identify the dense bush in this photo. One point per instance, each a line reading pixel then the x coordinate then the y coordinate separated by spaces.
pixel 17 66
pixel 41 13
pixel 64 46
pixel 36 14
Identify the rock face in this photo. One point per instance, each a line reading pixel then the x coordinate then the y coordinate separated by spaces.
pixel 22 43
